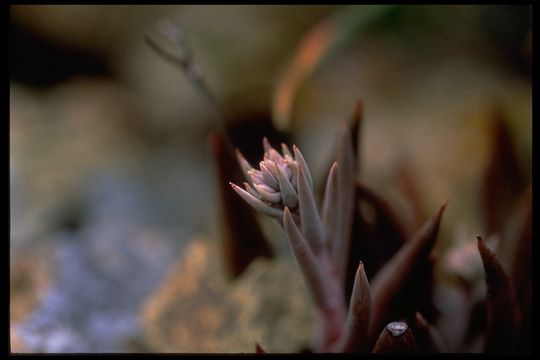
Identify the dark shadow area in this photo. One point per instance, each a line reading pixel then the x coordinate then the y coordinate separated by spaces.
pixel 40 62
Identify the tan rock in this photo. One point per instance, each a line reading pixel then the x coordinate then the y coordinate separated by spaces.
pixel 195 310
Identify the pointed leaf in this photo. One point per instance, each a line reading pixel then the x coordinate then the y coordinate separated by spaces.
pixel 259 349
pixel 331 211
pixel 302 162
pixel 515 249
pixel 397 272
pixel 378 233
pixel 500 188
pixel 267 193
pixel 502 308
pixel 256 203
pixel 395 338
pixel 346 185
pixel 266 145
pixel 244 165
pixel 428 339
pixel 288 194
pixel 285 150
pixel 355 336
pixel 355 127
pixel 255 176
pixel 306 260
pixel 310 221
pixel 252 191
pixel 268 176
pixel 515 254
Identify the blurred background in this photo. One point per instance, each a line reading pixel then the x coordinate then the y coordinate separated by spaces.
pixel 111 173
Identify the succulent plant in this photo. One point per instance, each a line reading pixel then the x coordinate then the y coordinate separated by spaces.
pixel 321 243
pixel 283 188
pixel 274 186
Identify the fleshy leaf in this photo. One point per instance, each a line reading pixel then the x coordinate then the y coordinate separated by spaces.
pixel 376 240
pixel 310 221
pixel 331 207
pixel 504 177
pixel 266 145
pixel 306 260
pixel 515 254
pixel 268 176
pixel 250 190
pixel 259 349
pixel 267 193
pixel 428 339
pixel 356 332
pixel 257 204
pixel 395 338
pixel 503 315
pixel 395 275
pixel 346 185
pixel 285 150
pixel 515 249
pixel 302 162
pixel 288 194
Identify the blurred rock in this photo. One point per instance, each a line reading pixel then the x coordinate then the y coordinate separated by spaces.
pixel 229 57
pixel 59 139
pixel 30 278
pixel 101 276
pixel 112 211
pixel 195 310
pixel 100 271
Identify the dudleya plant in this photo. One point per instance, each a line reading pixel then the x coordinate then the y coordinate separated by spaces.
pixel 274 186
pixel 282 188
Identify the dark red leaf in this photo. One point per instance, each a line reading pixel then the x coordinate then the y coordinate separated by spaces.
pixel 259 349
pixel 502 308
pixel 395 338
pixel 504 178
pixel 378 233
pixel 428 339
pixel 399 276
